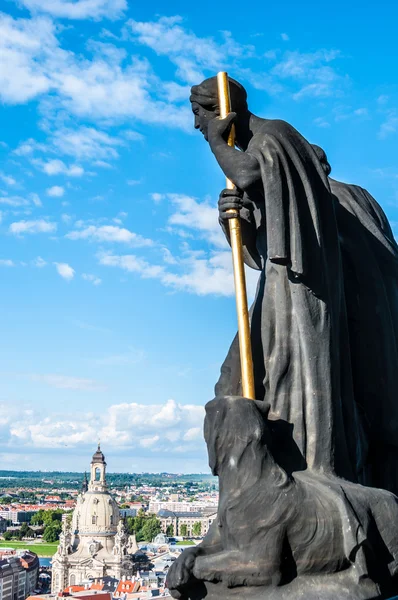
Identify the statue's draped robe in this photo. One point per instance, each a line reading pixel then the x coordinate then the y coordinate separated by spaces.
pixel 370 264
pixel 307 350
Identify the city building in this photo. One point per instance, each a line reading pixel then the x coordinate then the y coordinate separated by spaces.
pixel 3 524
pixel 179 506
pixel 16 516
pixel 96 544
pixel 183 522
pixel 19 571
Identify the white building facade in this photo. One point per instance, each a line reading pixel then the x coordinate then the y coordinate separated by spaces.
pixel 96 544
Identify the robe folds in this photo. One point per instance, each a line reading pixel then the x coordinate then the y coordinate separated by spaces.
pixel 328 263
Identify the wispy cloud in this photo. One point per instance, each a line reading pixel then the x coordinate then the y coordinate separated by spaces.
pixel 196 274
pixel 58 167
pixel 109 233
pixel 14 201
pixel 91 278
pixel 66 382
pixel 313 71
pixel 78 9
pixel 37 226
pixel 65 271
pixel 199 216
pixel 132 357
pixel 56 191
pixel 8 179
pixel 6 262
pixel 86 143
pixel 190 53
pixel 390 124
pixel 39 262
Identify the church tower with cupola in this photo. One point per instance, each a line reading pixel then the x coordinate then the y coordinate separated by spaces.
pixel 98 472
pixel 96 543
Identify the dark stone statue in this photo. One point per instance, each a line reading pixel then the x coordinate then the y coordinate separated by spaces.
pixel 285 533
pixel 295 519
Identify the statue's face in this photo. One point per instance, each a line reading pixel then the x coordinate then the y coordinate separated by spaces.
pixel 202 116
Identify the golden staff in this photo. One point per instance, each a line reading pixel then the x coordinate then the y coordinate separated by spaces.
pixel 246 359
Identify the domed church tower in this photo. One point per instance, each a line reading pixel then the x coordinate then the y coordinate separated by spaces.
pixel 96 544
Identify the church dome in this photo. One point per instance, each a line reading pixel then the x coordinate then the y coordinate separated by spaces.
pixel 97 544
pixel 98 514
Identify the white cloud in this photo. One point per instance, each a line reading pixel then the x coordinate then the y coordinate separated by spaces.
pixel 13 201
pixel 6 262
pixel 7 179
pixel 110 233
pixel 92 278
pixel 28 147
pixel 194 274
pixel 157 197
pixel 193 434
pixel 79 9
pixel 321 122
pixel 390 124
pixel 190 53
pixel 102 88
pixel 38 226
pixel 149 427
pixel 205 272
pixel 24 43
pixel 199 216
pixel 149 441
pixel 314 70
pixel 56 191
pixel 56 167
pixel 65 382
pixel 383 99
pixel 17 201
pixel 133 357
pixel 36 199
pixel 314 90
pixel 65 271
pixel 124 419
pixel 39 262
pixel 86 143
pixel 105 86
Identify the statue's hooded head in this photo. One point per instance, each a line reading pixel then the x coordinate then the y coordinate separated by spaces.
pixel 323 159
pixel 204 101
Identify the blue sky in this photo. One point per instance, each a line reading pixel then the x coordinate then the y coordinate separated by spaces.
pixel 117 301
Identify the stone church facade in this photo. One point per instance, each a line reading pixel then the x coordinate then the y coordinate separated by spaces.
pixel 96 544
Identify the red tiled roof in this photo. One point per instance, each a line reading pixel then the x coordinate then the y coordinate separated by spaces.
pixel 127 586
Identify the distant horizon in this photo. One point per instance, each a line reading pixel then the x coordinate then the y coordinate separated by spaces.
pixel 108 473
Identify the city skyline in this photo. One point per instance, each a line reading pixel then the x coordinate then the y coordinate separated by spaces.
pixel 116 281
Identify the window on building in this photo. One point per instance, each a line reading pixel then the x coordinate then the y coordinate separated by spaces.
pixel 111 519
pixel 97 474
pixel 94 520
pixel 72 580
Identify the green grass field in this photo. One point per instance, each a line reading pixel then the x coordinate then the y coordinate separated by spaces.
pixel 184 543
pixel 44 549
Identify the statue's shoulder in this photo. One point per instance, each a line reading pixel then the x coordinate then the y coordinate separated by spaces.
pixel 273 128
